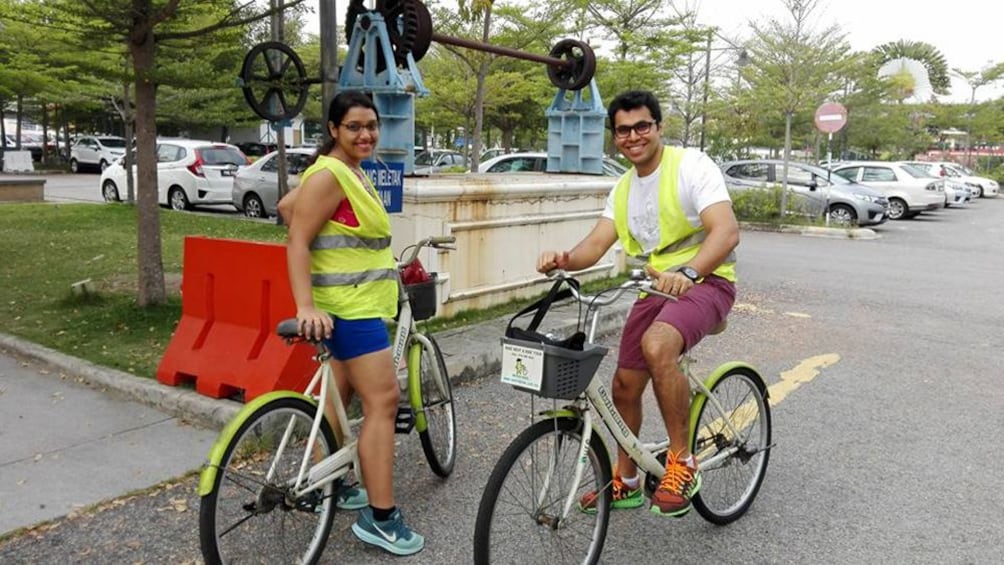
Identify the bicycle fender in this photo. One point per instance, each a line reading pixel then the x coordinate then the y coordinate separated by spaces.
pixel 208 476
pixel 415 386
pixel 698 403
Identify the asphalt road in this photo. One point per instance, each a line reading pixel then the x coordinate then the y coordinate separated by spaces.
pixel 883 358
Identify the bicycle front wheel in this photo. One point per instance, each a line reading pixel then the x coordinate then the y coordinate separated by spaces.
pixel 439 436
pixel 521 517
pixel 737 462
pixel 251 514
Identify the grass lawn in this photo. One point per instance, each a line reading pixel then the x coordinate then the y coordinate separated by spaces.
pixel 44 248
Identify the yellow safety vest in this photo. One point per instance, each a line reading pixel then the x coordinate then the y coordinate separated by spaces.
pixel 678 240
pixel 353 270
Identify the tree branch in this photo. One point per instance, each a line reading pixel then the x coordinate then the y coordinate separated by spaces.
pixel 227 21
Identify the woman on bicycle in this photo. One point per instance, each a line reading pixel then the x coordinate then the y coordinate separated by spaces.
pixel 343 277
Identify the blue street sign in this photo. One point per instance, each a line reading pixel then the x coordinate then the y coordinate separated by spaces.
pixel 388 178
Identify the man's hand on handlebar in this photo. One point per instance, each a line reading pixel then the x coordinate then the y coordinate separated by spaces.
pixel 551 260
pixel 671 283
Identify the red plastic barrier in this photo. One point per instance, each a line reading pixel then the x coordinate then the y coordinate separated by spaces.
pixel 234 293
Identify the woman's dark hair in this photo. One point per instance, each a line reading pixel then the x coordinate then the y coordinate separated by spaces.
pixel 632 100
pixel 340 105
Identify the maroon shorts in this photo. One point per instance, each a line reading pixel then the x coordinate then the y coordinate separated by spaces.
pixel 695 314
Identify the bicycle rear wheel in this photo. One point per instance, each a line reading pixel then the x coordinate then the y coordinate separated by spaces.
pixel 250 516
pixel 730 484
pixel 439 438
pixel 520 515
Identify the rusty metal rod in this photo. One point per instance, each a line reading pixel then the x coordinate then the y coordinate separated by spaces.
pixel 506 51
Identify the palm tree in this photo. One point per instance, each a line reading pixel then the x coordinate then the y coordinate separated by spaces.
pixel 927 54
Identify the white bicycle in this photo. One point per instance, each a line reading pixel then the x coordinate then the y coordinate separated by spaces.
pixel 268 490
pixel 529 508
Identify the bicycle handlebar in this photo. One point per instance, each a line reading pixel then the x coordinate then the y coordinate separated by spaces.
pixel 638 281
pixel 436 241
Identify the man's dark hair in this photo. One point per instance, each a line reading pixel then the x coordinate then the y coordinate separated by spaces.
pixel 631 100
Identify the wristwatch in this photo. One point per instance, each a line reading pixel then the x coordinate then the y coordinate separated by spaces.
pixel 691 273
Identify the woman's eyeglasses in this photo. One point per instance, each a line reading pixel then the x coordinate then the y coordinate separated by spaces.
pixel 641 128
pixel 355 127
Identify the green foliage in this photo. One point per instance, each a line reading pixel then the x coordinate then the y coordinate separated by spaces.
pixel 762 205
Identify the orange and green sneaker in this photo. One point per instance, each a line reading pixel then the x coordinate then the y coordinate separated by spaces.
pixel 679 484
pixel 624 498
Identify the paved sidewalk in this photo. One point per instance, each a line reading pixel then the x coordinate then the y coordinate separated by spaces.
pixel 73 433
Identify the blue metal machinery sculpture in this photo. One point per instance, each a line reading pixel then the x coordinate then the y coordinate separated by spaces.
pixel 384 46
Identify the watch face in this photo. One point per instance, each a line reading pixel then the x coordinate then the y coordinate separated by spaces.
pixel 690 273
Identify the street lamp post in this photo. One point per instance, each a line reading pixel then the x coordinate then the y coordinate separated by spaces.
pixel 741 60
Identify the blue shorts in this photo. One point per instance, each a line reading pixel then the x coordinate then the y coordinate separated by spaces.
pixel 354 338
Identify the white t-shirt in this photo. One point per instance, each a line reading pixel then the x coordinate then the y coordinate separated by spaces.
pixel 700 184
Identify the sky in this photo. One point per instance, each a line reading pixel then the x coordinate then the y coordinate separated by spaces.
pixel 967 32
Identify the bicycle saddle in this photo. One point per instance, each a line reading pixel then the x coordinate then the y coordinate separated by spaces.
pixel 719 328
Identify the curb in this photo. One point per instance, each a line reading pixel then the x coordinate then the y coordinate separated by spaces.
pixel 813 231
pixel 470 355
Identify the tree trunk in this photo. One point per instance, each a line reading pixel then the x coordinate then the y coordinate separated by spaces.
pixel 479 95
pixel 45 133
pixel 17 122
pixel 130 155
pixel 150 290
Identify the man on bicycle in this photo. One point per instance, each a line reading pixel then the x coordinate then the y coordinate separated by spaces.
pixel 672 208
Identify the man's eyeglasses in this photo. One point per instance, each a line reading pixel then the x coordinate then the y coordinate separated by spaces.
pixel 641 128
pixel 355 127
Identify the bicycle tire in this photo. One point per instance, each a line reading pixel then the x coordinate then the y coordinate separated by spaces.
pixel 244 518
pixel 439 438
pixel 728 489
pixel 510 531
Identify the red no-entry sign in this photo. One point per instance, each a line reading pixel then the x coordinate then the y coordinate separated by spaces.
pixel 831 117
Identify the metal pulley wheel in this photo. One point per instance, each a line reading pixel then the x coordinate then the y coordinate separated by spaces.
pixel 274 81
pixel 579 67
pixel 409 28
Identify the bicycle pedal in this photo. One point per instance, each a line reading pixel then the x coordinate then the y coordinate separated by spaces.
pixel 405 420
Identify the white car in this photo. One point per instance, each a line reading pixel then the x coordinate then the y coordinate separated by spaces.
pixel 536 162
pixel 981 187
pixel 97 151
pixel 910 190
pixel 189 173
pixel 957 190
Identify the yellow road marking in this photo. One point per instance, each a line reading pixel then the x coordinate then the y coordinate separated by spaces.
pixel 743 416
pixel 802 373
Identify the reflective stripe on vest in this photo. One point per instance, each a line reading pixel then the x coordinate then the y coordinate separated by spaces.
pixel 352 269
pixel 349 242
pixel 679 241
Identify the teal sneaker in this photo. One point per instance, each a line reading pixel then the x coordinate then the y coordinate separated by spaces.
pixel 391 535
pixel 351 498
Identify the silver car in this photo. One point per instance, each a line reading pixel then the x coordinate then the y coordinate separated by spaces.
pixel 256 187
pixel 814 188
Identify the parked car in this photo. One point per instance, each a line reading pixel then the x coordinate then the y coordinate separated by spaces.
pixel 910 190
pixel 436 160
pixel 979 186
pixel 256 187
pixel 255 148
pixel 97 151
pixel 537 162
pixel 817 190
pixel 189 172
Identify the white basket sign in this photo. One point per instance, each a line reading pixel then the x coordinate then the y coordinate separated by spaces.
pixel 522 366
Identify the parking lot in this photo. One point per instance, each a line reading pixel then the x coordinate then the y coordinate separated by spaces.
pixel 883 360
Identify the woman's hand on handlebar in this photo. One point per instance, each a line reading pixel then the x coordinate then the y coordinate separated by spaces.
pixel 671 283
pixel 312 323
pixel 551 260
